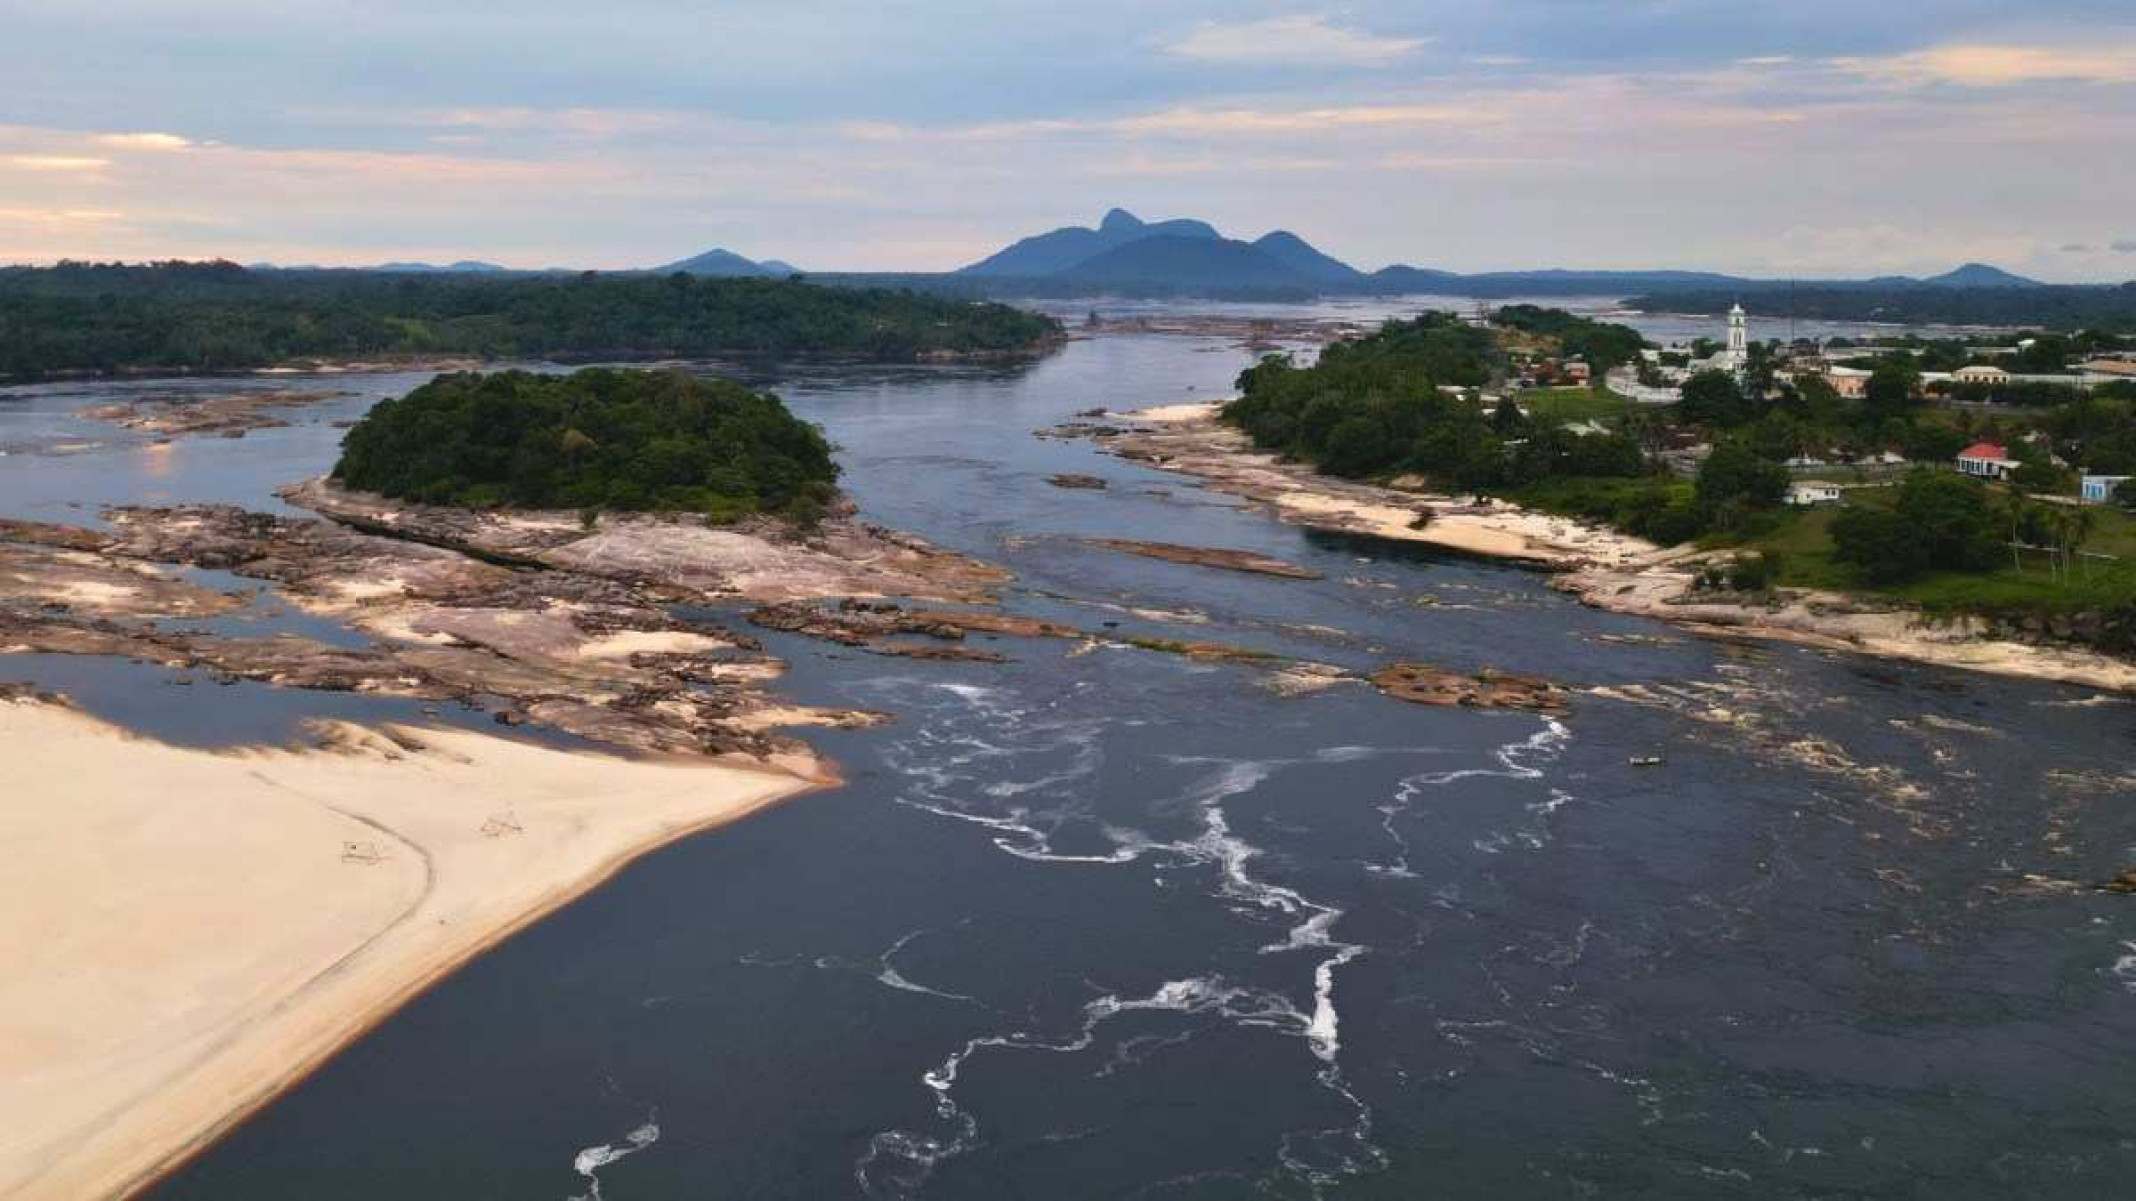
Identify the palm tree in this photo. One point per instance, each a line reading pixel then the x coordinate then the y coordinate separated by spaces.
pixel 2083 523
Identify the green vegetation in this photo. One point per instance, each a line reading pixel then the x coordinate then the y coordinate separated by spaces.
pixel 1603 345
pixel 593 440
pixel 1558 406
pixel 81 317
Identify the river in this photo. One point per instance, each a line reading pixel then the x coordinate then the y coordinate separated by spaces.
pixel 1121 925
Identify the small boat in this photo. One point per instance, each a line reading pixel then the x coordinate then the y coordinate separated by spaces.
pixel 1646 761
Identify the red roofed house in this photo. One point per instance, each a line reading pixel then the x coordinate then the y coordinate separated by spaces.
pixel 1986 460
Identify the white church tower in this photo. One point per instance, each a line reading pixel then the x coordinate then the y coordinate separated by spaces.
pixel 1738 353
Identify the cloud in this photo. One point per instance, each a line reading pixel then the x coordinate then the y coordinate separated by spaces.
pixel 1183 122
pixel 143 141
pixel 1990 65
pixel 54 162
pixel 2075 248
pixel 1296 40
pixel 2124 246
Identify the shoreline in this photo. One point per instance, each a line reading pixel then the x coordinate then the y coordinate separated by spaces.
pixel 370 871
pixel 1604 569
pixel 385 364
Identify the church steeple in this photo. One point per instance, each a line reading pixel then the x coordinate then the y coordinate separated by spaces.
pixel 1738 337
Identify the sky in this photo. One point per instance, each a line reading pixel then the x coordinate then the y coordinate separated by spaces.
pixel 1789 138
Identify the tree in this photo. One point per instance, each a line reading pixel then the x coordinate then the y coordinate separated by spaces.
pixel 1878 544
pixel 1714 398
pixel 1891 392
pixel 1938 522
pixel 1734 481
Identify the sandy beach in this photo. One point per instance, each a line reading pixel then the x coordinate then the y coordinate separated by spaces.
pixel 187 933
pixel 1605 569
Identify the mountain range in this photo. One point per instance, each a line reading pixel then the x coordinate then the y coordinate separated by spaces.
pixel 1125 252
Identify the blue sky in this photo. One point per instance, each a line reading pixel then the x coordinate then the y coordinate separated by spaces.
pixel 1808 137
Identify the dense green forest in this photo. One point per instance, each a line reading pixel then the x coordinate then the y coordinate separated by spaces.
pixel 2055 306
pixel 84 317
pixel 595 439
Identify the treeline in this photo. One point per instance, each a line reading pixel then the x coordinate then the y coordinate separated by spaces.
pixel 81 317
pixel 596 439
pixel 2054 306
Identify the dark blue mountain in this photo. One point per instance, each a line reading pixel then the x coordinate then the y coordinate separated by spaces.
pixel 1191 263
pixel 724 264
pixel 1299 255
pixel 1052 253
pixel 1979 275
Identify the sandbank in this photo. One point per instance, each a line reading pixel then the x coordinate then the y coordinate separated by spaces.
pixel 189 932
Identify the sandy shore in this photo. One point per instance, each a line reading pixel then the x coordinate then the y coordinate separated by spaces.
pixel 186 933
pixel 1605 569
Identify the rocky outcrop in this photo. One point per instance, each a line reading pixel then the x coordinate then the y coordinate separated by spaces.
pixel 1421 684
pixel 585 654
pixel 231 415
pixel 1208 556
pixel 682 555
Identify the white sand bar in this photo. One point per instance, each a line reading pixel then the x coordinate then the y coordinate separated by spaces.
pixel 188 932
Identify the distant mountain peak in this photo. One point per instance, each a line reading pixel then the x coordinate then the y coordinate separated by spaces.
pixel 1119 221
pixel 725 263
pixel 1980 275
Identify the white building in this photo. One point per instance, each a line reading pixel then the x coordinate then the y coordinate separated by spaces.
pixel 1813 492
pixel 2099 489
pixel 1978 373
pixel 1987 461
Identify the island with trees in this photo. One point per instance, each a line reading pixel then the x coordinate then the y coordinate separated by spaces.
pixel 105 318
pixel 598 439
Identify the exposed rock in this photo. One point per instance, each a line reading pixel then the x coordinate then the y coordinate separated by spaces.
pixel 1425 685
pixel 1208 556
pixel 231 415
pixel 762 559
pixel 2125 883
pixel 586 654
pixel 1070 479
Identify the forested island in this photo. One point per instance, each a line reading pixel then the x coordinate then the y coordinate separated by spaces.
pixel 593 440
pixel 82 318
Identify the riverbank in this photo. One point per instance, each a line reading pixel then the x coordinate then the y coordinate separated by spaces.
pixel 188 933
pixel 1605 569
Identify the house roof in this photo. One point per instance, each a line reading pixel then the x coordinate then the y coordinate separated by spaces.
pixel 1984 450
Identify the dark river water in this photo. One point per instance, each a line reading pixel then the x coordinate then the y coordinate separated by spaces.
pixel 1119 925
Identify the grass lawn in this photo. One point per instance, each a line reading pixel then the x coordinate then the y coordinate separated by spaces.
pixel 1562 405
pixel 1803 539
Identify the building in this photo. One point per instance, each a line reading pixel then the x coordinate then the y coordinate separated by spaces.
pixel 1738 352
pixel 1977 373
pixel 1987 461
pixel 2099 489
pixel 1578 371
pixel 1813 492
pixel 2103 370
pixel 1850 382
